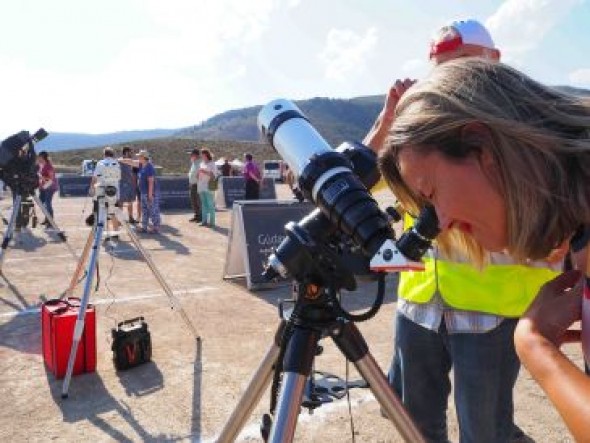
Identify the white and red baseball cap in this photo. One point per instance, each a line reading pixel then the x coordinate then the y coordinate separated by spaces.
pixel 461 33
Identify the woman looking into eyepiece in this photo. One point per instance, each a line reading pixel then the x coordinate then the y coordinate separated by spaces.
pixel 505 161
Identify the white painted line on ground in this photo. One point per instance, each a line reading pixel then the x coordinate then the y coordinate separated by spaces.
pixel 117 250
pixel 117 299
pixel 252 431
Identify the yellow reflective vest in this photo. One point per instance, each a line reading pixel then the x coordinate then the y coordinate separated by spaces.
pixel 500 289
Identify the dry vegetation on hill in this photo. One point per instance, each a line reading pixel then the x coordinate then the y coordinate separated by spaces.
pixel 170 153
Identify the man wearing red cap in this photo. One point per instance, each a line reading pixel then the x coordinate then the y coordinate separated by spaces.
pixel 453 316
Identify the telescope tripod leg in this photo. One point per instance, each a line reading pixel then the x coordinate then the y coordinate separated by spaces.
pixel 297 366
pixel 150 262
pixel 352 344
pixel 10 228
pixel 80 265
pixel 79 326
pixel 61 234
pixel 251 396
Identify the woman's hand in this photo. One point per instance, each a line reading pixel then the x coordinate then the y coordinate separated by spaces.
pixel 540 332
pixel 393 96
pixel 376 136
pixel 557 306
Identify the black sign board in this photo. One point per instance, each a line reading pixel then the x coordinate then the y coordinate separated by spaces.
pixel 73 185
pixel 257 228
pixel 174 191
pixel 234 188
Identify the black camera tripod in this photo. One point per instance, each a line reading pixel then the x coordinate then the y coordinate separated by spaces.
pixel 23 202
pixel 104 208
pixel 316 314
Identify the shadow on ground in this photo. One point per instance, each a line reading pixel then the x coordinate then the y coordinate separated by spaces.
pixel 126 250
pixel 22 332
pixel 27 241
pixel 89 400
pixel 141 380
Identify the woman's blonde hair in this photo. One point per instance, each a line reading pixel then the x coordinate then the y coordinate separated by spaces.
pixel 538 138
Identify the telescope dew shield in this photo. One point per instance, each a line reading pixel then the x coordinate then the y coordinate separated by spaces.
pixel 284 126
pixel 326 176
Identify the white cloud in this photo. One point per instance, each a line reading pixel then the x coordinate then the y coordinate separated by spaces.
pixel 214 21
pixel 519 26
pixel 580 77
pixel 182 72
pixel 346 52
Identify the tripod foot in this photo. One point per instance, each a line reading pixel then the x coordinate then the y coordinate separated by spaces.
pixel 64 396
pixel 265 427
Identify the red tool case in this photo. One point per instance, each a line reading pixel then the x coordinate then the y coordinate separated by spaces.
pixel 58 318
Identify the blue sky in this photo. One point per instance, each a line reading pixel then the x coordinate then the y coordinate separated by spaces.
pixel 86 66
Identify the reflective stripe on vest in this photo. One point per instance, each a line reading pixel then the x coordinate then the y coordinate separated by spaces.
pixel 501 289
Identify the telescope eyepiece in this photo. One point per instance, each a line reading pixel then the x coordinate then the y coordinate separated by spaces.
pixel 427 223
pixel 415 241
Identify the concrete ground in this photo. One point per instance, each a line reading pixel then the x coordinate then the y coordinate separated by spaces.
pixel 189 390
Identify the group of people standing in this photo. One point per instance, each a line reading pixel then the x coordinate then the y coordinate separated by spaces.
pixel 203 176
pixel 143 180
pixel 138 186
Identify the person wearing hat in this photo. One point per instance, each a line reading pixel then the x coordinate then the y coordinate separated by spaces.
pixel 149 191
pixel 454 316
pixel 193 181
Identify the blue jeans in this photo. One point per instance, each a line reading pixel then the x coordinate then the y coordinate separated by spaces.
pixel 485 370
pixel 46 197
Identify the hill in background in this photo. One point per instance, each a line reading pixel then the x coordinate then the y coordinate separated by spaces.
pixel 335 119
pixel 60 141
pixel 232 133
pixel 170 153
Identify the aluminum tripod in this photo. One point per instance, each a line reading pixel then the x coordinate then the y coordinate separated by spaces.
pixel 16 210
pixel 313 320
pixel 103 210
